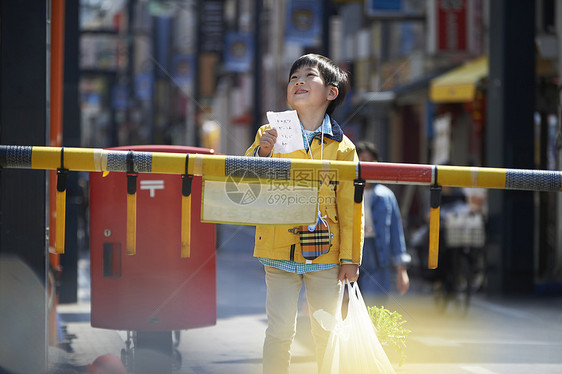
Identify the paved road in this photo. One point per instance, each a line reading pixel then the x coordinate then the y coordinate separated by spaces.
pixel 507 335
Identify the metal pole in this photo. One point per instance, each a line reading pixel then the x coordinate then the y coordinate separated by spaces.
pixel 23 196
pixel 326 12
pixel 509 133
pixel 258 115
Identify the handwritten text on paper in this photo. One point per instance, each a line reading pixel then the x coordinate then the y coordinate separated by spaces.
pixel 289 133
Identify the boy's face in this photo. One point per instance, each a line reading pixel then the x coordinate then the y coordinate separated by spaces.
pixel 307 90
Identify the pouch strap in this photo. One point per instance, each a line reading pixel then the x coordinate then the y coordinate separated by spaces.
pixel 62 173
pixel 359 188
pixel 187 179
pixel 131 174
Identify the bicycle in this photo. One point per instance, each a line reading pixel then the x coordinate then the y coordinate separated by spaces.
pixel 461 261
pixel 461 269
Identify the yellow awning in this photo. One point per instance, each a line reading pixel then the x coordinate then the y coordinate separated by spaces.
pixel 459 85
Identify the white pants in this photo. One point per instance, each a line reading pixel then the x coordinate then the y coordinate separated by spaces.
pixel 322 289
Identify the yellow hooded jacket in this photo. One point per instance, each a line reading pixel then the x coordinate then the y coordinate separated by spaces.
pixel 336 202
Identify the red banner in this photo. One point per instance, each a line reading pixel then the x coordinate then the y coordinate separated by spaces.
pixel 452 25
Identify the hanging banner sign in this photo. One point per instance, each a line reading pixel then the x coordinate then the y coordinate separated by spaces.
pixel 119 97
pixel 183 70
pixel 239 49
pixel 143 85
pixel 303 22
pixel 163 30
pixel 211 26
pixel 452 24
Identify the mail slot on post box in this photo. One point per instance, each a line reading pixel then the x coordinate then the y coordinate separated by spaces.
pixel 156 289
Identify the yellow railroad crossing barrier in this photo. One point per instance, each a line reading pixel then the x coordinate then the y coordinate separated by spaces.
pixel 93 159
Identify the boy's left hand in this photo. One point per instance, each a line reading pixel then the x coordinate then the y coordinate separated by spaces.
pixel 349 272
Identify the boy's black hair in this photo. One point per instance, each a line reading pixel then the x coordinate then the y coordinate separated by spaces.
pixel 363 146
pixel 332 74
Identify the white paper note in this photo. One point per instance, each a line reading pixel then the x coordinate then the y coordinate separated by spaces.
pixel 289 133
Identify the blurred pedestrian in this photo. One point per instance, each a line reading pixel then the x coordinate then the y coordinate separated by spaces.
pixel 316 87
pixel 384 251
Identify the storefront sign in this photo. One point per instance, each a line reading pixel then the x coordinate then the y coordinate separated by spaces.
pixel 377 6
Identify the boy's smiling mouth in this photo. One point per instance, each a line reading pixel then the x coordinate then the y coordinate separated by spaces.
pixel 300 91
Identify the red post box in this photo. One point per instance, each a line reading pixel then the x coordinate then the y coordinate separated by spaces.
pixel 155 289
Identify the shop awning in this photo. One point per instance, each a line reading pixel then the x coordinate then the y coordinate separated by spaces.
pixel 459 85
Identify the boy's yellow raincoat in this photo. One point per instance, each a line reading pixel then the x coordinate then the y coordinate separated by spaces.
pixel 335 200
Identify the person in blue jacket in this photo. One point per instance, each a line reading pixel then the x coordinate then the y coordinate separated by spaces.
pixel 385 248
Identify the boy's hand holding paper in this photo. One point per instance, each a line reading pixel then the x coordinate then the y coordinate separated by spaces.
pixel 267 142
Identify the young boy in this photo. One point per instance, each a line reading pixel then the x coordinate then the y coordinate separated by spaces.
pixel 316 87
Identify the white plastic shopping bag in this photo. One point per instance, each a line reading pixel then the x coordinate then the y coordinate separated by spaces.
pixel 353 346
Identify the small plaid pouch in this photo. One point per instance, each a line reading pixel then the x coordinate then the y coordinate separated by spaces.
pixel 315 239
